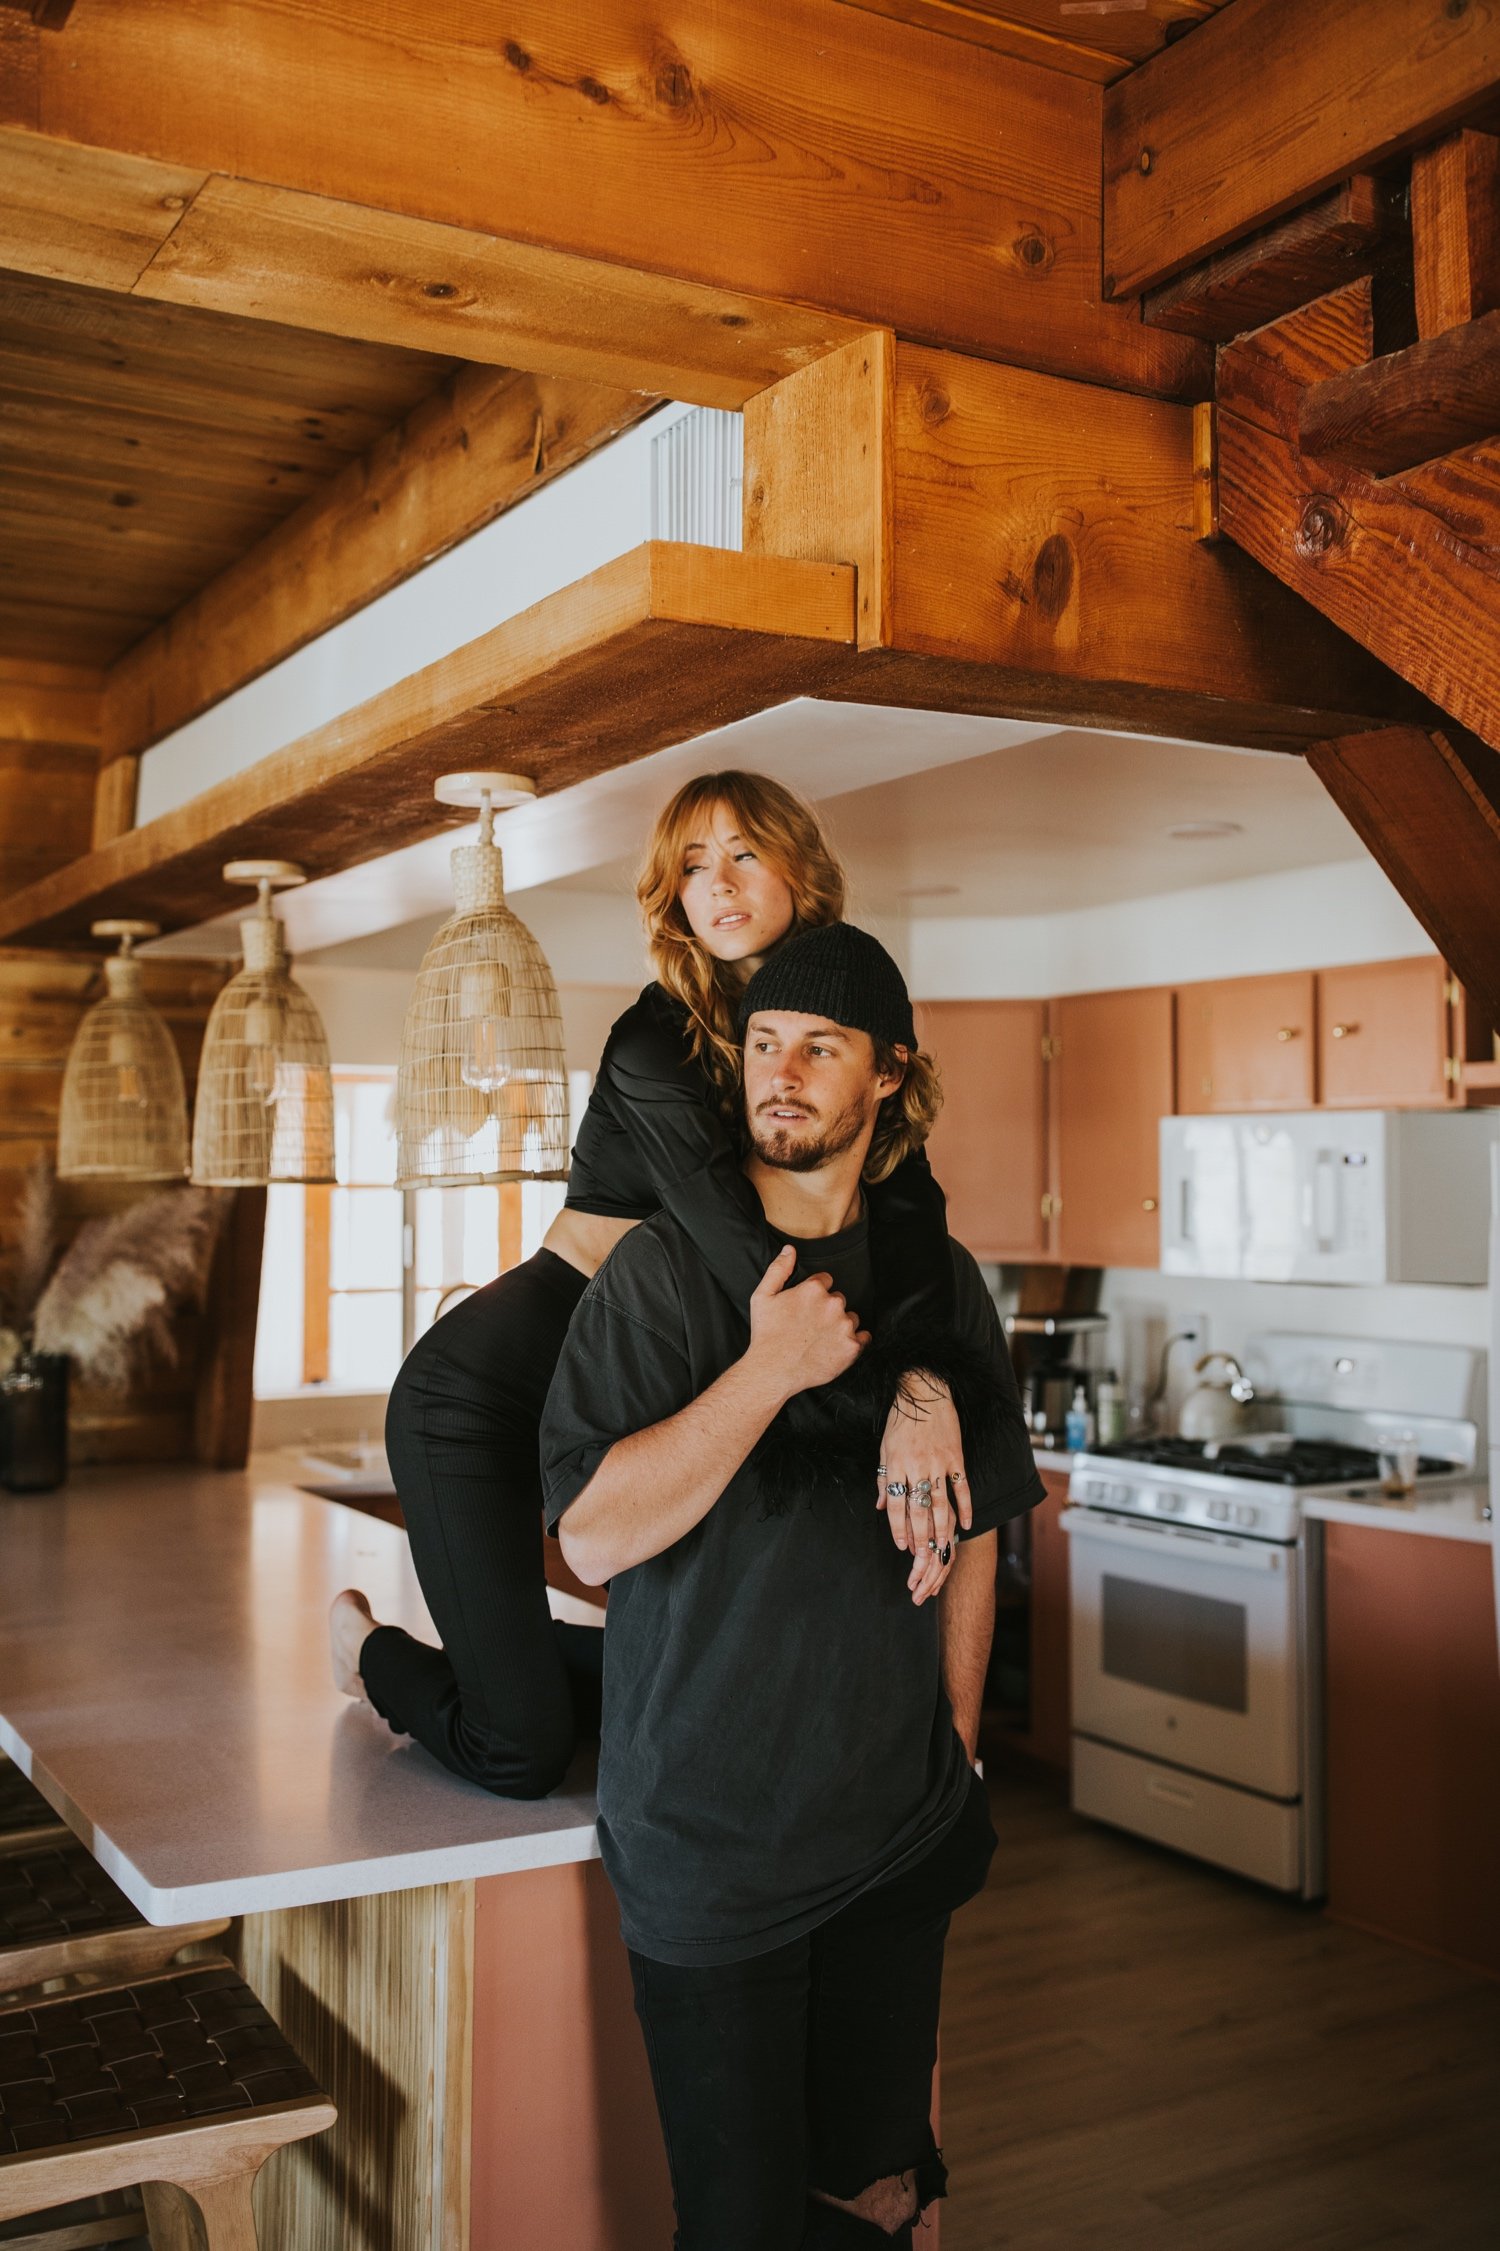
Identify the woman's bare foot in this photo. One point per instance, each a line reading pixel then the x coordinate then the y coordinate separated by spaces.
pixel 349 1621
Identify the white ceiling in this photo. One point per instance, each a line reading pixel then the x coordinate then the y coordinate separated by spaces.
pixel 936 814
pixel 1080 819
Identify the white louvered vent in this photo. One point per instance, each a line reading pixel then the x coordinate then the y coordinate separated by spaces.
pixel 697 477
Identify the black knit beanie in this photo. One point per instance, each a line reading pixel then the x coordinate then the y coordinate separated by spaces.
pixel 839 973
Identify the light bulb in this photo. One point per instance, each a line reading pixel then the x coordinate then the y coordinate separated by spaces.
pixel 130 1092
pixel 261 1072
pixel 485 1062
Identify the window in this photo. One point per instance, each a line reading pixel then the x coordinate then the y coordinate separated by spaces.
pixel 353 1274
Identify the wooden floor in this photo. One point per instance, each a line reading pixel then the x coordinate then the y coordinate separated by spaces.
pixel 1143 2054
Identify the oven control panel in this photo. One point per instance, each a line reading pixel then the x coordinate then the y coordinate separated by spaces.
pixel 1202 1500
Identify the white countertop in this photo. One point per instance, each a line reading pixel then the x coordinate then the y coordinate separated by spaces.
pixel 164 1681
pixel 1456 1513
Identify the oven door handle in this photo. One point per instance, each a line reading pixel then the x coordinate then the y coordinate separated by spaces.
pixel 1227 1552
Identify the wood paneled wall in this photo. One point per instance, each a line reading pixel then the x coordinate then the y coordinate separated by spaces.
pixel 43 996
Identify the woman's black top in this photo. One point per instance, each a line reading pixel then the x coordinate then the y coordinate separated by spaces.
pixel 653 1137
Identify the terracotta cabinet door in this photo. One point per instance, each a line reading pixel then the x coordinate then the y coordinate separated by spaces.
pixel 1111 1086
pixel 1413 1736
pixel 1246 1043
pixel 989 1146
pixel 1383 1035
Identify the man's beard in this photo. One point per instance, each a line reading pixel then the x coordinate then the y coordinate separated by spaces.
pixel 794 1153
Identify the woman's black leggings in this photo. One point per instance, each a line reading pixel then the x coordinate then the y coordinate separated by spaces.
pixel 502 1701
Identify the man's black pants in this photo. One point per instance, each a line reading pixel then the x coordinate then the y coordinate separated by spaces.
pixel 810 2067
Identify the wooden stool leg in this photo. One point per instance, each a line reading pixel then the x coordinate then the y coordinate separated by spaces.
pixel 209 2216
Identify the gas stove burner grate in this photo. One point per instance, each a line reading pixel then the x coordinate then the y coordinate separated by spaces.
pixel 1306 1461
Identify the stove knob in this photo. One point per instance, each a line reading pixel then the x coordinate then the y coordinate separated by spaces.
pixel 1170 1504
pixel 1219 1511
pixel 1247 1516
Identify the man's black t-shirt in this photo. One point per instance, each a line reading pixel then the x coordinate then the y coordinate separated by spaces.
pixel 776 1737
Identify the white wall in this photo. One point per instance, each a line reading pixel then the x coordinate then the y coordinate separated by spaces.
pixel 1305 918
pixel 1145 1309
pixel 362 1011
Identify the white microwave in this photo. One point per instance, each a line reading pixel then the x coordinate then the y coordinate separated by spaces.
pixel 1328 1195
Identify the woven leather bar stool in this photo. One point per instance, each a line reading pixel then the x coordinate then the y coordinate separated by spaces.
pixel 62 1919
pixel 61 1916
pixel 180 2085
pixel 25 1816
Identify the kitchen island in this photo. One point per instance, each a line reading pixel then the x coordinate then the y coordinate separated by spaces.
pixel 448 1963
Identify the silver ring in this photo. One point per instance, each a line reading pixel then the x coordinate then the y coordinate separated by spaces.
pixel 897 1490
pixel 880 1469
pixel 924 1485
pixel 920 1499
pixel 935 1549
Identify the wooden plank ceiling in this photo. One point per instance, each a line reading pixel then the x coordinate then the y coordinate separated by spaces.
pixel 1095 39
pixel 145 447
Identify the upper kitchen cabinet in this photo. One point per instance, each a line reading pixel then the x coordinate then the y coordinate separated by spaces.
pixel 989 1146
pixel 1384 1038
pixel 1246 1043
pixel 1111 1086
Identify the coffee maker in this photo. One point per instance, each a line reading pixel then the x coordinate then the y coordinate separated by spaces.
pixel 1053 1353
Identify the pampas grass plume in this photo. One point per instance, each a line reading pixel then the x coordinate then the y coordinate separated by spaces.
pixel 109 1305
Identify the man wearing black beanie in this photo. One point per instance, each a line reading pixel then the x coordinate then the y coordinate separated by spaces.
pixel 788 1808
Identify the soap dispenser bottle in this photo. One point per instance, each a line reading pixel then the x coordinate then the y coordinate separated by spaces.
pixel 1078 1430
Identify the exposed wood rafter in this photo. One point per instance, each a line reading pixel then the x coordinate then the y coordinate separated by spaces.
pixel 1427 807
pixel 1405 407
pixel 1408 565
pixel 1334 240
pixel 660 646
pixel 797 152
pixel 156 231
pixel 1455 224
pixel 482 442
pixel 1270 103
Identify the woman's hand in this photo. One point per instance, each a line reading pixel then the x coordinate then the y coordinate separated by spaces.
pixel 923 1447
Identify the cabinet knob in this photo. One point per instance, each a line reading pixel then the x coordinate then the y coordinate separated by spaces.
pixel 1148 1203
pixel 1343 1031
pixel 1289 1031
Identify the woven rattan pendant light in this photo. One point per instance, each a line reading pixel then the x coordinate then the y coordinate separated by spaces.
pixel 265 1091
pixel 482 1090
pixel 124 1110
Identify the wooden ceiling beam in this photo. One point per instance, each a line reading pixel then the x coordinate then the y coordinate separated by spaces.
pixel 799 153
pixel 182 237
pixel 1455 228
pixel 1093 39
pixel 1426 805
pixel 1002 34
pixel 662 645
pixel 1270 103
pixel 51 703
pixel 1409 565
pixel 1407 407
pixel 51 719
pixel 1029 545
pixel 483 441
pixel 1333 240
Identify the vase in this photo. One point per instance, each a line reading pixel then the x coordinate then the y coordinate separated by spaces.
pixel 34 1423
